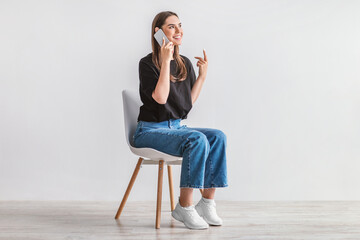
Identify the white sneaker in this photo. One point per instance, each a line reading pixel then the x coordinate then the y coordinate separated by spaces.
pixel 207 210
pixel 189 216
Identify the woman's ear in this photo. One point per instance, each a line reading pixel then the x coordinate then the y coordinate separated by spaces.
pixel 156 29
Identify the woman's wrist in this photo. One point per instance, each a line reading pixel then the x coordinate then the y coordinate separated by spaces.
pixel 201 77
pixel 166 62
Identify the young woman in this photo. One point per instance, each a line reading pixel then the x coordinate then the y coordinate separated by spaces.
pixel 168 89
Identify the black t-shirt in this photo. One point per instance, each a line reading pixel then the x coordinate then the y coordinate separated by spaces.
pixel 179 101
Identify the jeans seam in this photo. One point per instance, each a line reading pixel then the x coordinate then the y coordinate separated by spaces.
pixel 147 132
pixel 211 169
pixel 188 175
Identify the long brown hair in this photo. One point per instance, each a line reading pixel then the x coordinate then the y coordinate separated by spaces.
pixel 159 21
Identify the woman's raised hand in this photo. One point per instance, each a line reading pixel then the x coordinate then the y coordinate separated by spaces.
pixel 167 51
pixel 202 65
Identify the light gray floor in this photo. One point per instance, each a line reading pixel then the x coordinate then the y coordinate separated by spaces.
pixel 242 220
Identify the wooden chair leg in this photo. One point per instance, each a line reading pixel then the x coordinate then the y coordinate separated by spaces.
pixel 131 183
pixel 171 189
pixel 159 194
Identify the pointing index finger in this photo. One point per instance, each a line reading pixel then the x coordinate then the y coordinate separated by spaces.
pixel 205 57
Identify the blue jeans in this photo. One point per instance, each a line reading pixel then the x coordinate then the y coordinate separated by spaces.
pixel 202 149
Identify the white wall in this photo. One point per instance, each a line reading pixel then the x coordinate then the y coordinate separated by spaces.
pixel 283 83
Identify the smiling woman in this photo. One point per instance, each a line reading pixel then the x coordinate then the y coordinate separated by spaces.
pixel 168 90
pixel 173 29
pixel 170 24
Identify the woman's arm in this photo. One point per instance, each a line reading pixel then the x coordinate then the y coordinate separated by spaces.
pixel 195 91
pixel 202 64
pixel 162 89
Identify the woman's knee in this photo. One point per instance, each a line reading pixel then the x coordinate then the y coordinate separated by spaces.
pixel 219 135
pixel 198 138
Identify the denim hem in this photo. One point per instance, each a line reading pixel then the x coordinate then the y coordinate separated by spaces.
pixel 204 187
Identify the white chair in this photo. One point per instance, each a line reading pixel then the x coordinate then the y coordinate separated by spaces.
pixel 132 103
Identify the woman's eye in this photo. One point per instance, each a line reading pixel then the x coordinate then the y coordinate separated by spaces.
pixel 174 27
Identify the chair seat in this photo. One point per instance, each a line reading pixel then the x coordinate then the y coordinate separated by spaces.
pixel 154 155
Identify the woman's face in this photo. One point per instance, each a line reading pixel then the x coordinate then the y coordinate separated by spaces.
pixel 172 29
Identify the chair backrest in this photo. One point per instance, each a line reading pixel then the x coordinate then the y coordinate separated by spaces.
pixel 131 104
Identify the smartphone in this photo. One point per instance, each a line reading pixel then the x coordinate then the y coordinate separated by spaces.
pixel 159 37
